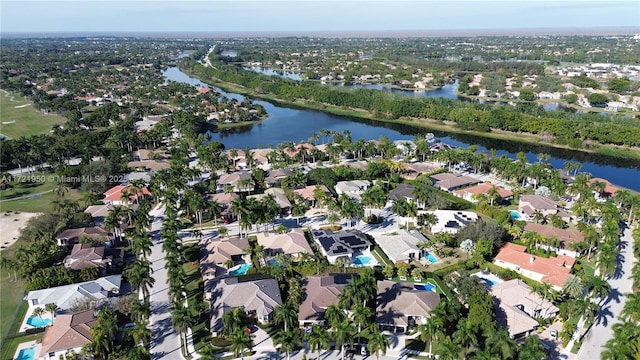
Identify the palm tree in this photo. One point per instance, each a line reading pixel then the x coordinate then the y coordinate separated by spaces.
pixel 378 343
pixel 431 331
pixel 573 287
pixel 532 349
pixel 288 340
pixel 597 286
pixel 238 208
pixel 631 310
pixel 343 333
pixel 361 314
pixel 334 315
pixel 447 349
pixel 318 339
pixel 501 344
pixel 233 320
pixel 464 335
pixel 285 314
pixel 493 194
pixel 39 311
pixel 240 341
pixel 51 308
pixel 141 334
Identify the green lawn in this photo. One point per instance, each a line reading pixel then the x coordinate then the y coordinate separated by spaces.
pixel 41 203
pixel 11 293
pixel 24 120
pixel 23 188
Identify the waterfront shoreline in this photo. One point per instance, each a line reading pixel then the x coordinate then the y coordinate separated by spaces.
pixel 616 151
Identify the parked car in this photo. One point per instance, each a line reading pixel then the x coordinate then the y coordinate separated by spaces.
pixel 553 333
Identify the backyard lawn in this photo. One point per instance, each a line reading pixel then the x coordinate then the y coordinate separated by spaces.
pixel 20 118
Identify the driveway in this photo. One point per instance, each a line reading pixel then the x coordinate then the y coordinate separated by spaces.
pixel 165 342
pixel 609 310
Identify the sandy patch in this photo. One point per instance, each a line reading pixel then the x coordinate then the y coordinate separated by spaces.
pixel 11 224
pixel 7 122
pixel 21 106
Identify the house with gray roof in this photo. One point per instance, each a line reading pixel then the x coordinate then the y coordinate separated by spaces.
pixel 352 188
pixel 217 252
pixel 320 292
pixel 68 297
pixel 450 182
pixel 401 307
pixel 342 244
pixel 258 298
pixel 401 245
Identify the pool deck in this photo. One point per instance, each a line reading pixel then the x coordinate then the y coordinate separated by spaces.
pixel 24 326
pixel 27 345
pixel 488 276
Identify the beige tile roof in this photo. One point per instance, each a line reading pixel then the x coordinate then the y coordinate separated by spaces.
pixel 321 291
pixel 217 251
pixel 307 192
pixel 516 292
pixel 68 331
pixel 86 255
pixel 484 189
pixel 397 301
pixel 291 243
pixel 538 202
pixel 567 236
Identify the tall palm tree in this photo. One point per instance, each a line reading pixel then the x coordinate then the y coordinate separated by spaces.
pixel 501 344
pixel 532 349
pixel 240 341
pixel 447 349
pixel 233 320
pixel 39 311
pixel 334 315
pixel 288 340
pixel 285 314
pixel 361 314
pixel 318 339
pixel 378 343
pixel 464 335
pixel 51 308
pixel 239 208
pixel 343 334
pixel 597 286
pixel 431 331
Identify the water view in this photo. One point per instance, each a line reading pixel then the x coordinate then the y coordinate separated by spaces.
pixel 291 124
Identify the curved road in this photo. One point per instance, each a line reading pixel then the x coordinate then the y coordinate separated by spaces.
pixel 165 342
pixel 609 310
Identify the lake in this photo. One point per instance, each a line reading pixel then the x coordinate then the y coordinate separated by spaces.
pixel 294 124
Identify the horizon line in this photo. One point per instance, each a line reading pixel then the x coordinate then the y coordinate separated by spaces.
pixel 531 31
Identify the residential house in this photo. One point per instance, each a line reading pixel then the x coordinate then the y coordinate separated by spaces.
pixel 402 191
pixel 440 146
pixel 261 158
pixel 401 245
pixel 308 193
pixel 450 182
pixel 279 196
pixel 411 171
pixel 68 334
pixel 276 175
pixel 292 243
pixel 216 254
pixel 343 244
pixel 88 256
pixel 95 233
pixel 68 297
pixel 566 238
pixel 239 181
pixel 224 200
pixel 99 213
pixel 402 307
pixel 450 221
pixel 125 195
pixel 471 193
pixel 555 270
pixel 608 191
pixel 259 298
pixel 517 307
pixel 353 188
pixel 320 292
pixel 529 204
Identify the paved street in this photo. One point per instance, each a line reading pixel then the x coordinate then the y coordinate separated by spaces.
pixel 602 331
pixel 165 343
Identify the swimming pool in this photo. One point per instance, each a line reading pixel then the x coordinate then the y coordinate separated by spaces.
pixel 489 278
pixel 27 354
pixel 427 287
pixel 515 215
pixel 240 269
pixel 273 262
pixel 362 260
pixel 431 258
pixel 36 321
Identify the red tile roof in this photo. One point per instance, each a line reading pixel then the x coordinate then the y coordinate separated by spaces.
pixel 555 270
pixel 115 193
pixel 484 189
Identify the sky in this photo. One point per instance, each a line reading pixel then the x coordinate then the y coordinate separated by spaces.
pixel 213 16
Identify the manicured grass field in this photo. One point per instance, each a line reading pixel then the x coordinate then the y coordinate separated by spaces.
pixel 11 293
pixel 21 118
pixel 41 203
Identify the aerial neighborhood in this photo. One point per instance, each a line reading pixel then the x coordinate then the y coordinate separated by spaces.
pixel 190 246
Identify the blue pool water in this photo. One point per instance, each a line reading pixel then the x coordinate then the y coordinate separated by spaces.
pixel 273 262
pixel 431 258
pixel 36 321
pixel 427 287
pixel 240 270
pixel 362 260
pixel 491 281
pixel 515 215
pixel 27 354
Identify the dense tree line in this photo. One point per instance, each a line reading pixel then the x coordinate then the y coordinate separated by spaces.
pixel 572 129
